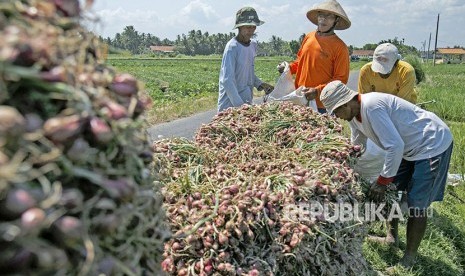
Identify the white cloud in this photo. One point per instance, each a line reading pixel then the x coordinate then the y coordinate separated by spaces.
pixel 115 20
pixel 199 11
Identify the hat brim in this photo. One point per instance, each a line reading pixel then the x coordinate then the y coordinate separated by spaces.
pixel 382 68
pixel 331 95
pixel 343 23
pixel 248 24
pixel 343 101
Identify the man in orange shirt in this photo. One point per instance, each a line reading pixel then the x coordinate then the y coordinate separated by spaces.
pixel 323 57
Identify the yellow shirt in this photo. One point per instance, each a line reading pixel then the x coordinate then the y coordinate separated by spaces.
pixel 400 83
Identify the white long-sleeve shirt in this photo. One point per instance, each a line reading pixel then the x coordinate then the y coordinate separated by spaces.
pixel 237 75
pixel 402 129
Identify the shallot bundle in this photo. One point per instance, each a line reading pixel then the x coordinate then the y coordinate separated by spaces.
pixel 238 197
pixel 76 193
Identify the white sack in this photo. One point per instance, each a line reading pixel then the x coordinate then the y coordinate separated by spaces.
pixel 370 164
pixel 284 90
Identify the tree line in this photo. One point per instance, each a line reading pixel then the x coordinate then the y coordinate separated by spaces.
pixel 196 42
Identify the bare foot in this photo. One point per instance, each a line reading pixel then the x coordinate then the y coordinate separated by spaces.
pixel 392 270
pixel 389 240
pixel 407 261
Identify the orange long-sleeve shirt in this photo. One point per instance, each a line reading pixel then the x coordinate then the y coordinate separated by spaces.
pixel 320 60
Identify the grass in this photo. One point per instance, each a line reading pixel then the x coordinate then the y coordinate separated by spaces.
pixel 442 251
pixel 357 65
pixel 458 155
pixel 178 87
pixel 182 108
pixel 444 84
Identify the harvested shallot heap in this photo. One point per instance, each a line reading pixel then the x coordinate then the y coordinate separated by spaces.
pixel 241 198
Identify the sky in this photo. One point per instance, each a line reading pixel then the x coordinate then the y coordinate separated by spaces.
pixel 372 20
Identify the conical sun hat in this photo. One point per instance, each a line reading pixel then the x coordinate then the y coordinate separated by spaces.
pixel 331 6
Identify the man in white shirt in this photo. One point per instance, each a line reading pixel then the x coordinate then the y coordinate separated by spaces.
pixel 418 147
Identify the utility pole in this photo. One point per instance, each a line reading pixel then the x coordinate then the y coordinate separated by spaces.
pixel 423 44
pixel 429 42
pixel 436 42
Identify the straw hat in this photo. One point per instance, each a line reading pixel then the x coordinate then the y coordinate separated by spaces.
pixel 331 6
pixel 336 94
pixel 247 16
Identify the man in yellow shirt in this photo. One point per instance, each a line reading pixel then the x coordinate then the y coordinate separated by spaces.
pixel 386 73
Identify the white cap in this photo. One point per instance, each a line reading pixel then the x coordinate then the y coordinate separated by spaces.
pixel 336 94
pixel 385 56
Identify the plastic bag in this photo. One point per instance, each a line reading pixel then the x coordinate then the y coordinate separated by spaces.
pixel 284 84
pixel 284 90
pixel 370 164
pixel 295 97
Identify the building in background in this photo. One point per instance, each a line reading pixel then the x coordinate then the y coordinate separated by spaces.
pixel 451 55
pixel 163 49
pixel 362 54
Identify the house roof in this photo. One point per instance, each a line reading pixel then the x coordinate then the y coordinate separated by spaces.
pixel 451 51
pixel 162 48
pixel 363 52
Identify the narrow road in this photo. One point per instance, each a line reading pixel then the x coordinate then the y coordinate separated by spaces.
pixel 187 127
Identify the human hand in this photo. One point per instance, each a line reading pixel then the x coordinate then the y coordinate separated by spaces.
pixel 377 191
pixel 310 93
pixel 281 67
pixel 266 87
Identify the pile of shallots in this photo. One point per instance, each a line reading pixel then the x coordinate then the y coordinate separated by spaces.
pixel 76 192
pixel 240 199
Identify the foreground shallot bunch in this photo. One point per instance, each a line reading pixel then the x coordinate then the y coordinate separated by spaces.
pixel 76 193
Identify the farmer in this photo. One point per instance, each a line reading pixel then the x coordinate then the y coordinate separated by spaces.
pixel 237 75
pixel 418 146
pixel 323 56
pixel 388 74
